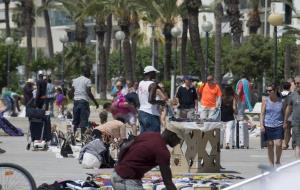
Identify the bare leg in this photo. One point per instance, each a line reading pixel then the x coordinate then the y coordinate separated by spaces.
pixel 271 152
pixel 278 146
pixel 287 137
pixel 297 152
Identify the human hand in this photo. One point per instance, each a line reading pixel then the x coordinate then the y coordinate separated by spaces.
pixel 285 125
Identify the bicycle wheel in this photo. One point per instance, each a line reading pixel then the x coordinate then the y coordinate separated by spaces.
pixel 13 177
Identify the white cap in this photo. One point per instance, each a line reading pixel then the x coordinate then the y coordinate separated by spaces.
pixel 149 69
pixel 40 72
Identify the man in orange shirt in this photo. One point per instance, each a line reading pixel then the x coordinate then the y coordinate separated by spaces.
pixel 210 97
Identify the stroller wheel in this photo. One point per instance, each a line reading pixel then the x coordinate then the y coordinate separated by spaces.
pixel 28 146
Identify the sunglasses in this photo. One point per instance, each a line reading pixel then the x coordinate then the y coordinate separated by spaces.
pixel 297 83
pixel 269 90
pixel 119 86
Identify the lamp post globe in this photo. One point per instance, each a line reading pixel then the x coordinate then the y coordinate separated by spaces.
pixel 64 39
pixel 175 32
pixel 9 41
pixel 207 26
pixel 275 19
pixel 120 35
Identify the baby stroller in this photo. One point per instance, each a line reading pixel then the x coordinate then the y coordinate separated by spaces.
pixel 39 132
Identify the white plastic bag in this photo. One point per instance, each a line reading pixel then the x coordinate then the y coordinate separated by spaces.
pixel 90 161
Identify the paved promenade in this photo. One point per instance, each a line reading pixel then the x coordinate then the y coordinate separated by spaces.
pixel 45 167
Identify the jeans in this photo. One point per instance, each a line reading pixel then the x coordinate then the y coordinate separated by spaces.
pixel 149 122
pixel 119 183
pixel 81 113
pixel 207 113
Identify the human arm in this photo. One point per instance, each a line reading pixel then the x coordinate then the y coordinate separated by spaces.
pixel 166 174
pixel 91 96
pixel 288 111
pixel 71 93
pixel 152 95
pixel 262 115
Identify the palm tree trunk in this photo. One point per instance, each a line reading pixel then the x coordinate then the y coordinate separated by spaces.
pixel 7 24
pixel 196 41
pixel 127 53
pixel 135 28
pixel 108 37
pixel 80 33
pixel 29 13
pixel 48 30
pixel 183 64
pixel 218 41
pixel 102 67
pixel 287 62
pixel 168 50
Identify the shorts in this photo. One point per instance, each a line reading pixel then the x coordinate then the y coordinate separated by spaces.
pixel 296 134
pixel 81 113
pixel 273 133
pixel 149 122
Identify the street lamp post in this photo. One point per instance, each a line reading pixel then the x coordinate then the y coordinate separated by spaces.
pixel 120 35
pixel 207 27
pixel 176 32
pixel 275 20
pixel 63 40
pixel 8 42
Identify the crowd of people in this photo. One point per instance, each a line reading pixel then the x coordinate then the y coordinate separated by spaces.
pixel 148 103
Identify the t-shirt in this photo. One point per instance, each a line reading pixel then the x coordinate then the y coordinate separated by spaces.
pixel 186 97
pixel 294 100
pixel 227 112
pixel 80 85
pixel 209 95
pixel 50 90
pixel 148 150
pixel 114 128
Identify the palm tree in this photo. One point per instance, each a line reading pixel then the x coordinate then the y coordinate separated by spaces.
pixel 122 11
pixel 99 10
pixel 135 28
pixel 6 4
pixel 193 7
pixel 184 39
pixel 218 39
pixel 164 12
pixel 74 9
pixel 46 5
pixel 233 12
pixel 254 22
pixel 24 18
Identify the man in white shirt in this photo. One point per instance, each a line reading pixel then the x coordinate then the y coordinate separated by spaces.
pixel 149 115
pixel 81 91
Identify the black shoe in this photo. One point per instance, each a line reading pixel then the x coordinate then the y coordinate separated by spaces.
pixel 28 146
pixel 2 151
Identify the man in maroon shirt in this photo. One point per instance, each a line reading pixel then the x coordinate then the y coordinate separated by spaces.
pixel 147 151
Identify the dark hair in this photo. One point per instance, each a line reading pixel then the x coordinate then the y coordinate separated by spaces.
pixel 170 137
pixel 49 80
pixel 275 88
pixel 103 117
pixel 59 89
pixel 286 86
pixel 86 72
pixel 121 119
pixel 106 105
pixel 97 134
pixel 228 95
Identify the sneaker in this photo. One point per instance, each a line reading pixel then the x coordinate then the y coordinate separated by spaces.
pixel 2 151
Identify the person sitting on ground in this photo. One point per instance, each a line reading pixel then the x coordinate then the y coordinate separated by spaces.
pixel 140 155
pixel 103 115
pixel 91 155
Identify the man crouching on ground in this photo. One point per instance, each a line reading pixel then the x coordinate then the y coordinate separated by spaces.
pixel 137 157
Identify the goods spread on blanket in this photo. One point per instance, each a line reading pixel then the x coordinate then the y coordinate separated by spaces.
pixel 183 182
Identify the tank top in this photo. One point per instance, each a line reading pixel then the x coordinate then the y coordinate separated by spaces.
pixel 227 112
pixel 143 92
pixel 274 113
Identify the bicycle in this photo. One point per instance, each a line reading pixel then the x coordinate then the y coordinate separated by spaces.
pixel 13 177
